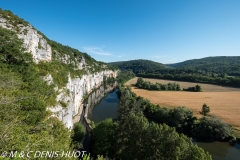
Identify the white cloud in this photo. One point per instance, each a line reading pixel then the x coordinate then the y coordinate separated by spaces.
pixel 96 50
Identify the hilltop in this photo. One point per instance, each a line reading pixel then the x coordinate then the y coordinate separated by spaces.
pixel 220 64
pixel 138 66
pixel 215 70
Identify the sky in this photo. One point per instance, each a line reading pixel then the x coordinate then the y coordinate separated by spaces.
pixel 165 31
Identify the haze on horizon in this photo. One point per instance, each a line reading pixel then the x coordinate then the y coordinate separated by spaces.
pixel 166 31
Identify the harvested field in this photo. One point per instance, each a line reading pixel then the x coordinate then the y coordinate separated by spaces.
pixel 205 87
pixel 224 102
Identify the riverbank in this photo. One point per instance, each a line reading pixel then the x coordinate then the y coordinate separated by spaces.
pixel 93 97
pixel 105 109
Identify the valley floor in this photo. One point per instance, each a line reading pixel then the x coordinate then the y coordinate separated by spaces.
pixel 224 102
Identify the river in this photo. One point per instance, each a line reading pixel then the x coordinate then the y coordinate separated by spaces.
pixel 106 107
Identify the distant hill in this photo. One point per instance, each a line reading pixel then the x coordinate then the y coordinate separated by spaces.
pixel 138 66
pixel 221 64
pixel 223 70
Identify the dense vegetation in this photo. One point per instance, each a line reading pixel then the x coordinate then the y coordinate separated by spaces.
pixel 77 135
pixel 229 65
pixel 164 87
pixel 196 88
pixel 158 86
pixel 124 76
pixel 132 136
pixel 188 73
pixel 138 66
pixel 193 77
pixel 212 128
pixel 219 65
pixel 183 120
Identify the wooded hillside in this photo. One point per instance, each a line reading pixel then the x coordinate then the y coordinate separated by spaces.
pixel 221 65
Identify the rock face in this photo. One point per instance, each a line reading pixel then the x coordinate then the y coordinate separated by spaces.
pixel 33 42
pixel 76 89
pixel 36 44
pixel 71 96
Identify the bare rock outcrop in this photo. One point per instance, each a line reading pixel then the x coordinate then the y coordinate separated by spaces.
pixel 33 42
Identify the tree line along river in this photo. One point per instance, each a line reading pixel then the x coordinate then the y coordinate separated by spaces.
pixel 103 103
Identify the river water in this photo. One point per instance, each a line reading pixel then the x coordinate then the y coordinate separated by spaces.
pixel 106 107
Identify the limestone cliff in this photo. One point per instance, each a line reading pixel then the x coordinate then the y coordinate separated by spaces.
pixel 33 42
pixel 77 88
pixel 69 96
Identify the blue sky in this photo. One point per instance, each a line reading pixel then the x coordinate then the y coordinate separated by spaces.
pixel 166 31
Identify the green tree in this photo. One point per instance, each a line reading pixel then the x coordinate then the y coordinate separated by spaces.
pixel 139 139
pixel 212 128
pixel 102 138
pixel 124 76
pixel 11 48
pixel 182 118
pixel 77 135
pixel 140 82
pixel 205 109
pixel 198 88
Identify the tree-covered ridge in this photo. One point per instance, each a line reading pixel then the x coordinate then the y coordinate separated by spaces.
pixel 218 65
pixel 138 66
pixel 189 75
pixel 212 74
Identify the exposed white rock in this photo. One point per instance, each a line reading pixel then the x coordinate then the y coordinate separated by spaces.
pixel 81 63
pixel 48 78
pixel 77 87
pixel 33 42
